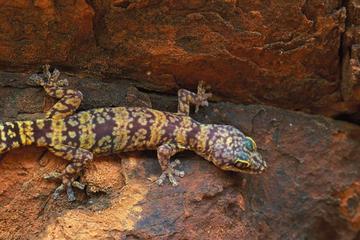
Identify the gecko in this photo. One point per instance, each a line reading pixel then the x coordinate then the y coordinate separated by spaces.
pixel 78 136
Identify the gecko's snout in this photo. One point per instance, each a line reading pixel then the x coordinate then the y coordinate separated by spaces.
pixel 257 164
pixel 253 164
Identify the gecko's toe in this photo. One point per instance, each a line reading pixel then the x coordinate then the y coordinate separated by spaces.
pixel 54 76
pixel 53 176
pixel 69 190
pixel 161 179
pixel 62 83
pixel 58 191
pixel 179 173
pixel 172 180
pixel 78 185
pixel 70 194
pixel 174 171
pixel 175 163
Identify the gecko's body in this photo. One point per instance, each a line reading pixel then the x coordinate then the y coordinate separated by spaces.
pixel 110 130
pixel 77 136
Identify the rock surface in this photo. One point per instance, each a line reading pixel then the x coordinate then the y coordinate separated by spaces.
pixel 300 55
pixel 280 53
pixel 350 84
pixel 310 191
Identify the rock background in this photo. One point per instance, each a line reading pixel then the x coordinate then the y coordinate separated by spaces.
pixel 301 55
pixel 296 55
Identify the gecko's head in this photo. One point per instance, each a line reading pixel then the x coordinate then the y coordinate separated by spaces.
pixel 233 151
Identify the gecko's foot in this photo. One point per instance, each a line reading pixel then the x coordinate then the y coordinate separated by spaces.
pixel 169 173
pixel 202 96
pixel 66 185
pixel 47 78
pixel 69 190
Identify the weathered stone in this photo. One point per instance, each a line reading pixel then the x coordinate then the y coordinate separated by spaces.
pixel 350 84
pixel 35 32
pixel 299 55
pixel 280 53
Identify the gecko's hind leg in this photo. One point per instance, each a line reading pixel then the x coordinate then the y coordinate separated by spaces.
pixel 79 158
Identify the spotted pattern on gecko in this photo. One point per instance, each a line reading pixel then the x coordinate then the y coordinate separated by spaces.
pixel 76 137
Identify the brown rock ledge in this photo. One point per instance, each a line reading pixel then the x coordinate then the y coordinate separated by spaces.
pixel 290 54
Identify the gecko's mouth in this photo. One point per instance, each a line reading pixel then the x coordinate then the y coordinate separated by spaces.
pixel 257 164
pixel 254 165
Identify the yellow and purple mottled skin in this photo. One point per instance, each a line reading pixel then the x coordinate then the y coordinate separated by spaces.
pixel 76 137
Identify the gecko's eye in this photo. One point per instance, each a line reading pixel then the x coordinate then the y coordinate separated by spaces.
pixel 249 144
pixel 243 159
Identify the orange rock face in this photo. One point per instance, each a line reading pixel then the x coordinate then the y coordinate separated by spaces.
pixel 299 55
pixel 280 53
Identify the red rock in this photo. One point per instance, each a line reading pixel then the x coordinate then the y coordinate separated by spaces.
pixel 301 55
pixel 349 205
pixel 280 53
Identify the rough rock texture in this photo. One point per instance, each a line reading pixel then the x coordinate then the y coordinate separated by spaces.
pixel 350 85
pixel 300 55
pixel 310 191
pixel 294 54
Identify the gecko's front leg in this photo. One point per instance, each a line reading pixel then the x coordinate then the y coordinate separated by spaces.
pixel 185 98
pixel 69 99
pixel 164 153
